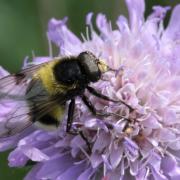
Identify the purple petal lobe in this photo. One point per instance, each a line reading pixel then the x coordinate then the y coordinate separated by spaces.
pixel 7 144
pixel 62 36
pixel 89 18
pixel 131 149
pixel 102 141
pixel 73 172
pixel 136 13
pixel 52 168
pixel 16 159
pixel 122 23
pixel 158 175
pixel 173 30
pixel 95 159
pixel 170 167
pixel 32 174
pixel 159 12
pixel 103 24
pixel 34 154
pixel 168 164
pixel 116 156
pixel 86 174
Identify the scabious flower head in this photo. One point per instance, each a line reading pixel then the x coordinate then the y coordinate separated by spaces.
pixel 143 143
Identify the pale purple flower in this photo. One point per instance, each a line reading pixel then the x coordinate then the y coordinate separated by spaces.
pixel 145 144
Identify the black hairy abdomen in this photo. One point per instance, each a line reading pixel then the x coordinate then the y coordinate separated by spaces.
pixel 48 120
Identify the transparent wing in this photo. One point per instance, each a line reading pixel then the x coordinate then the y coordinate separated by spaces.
pixel 16 84
pixel 23 101
pixel 14 119
pixel 19 114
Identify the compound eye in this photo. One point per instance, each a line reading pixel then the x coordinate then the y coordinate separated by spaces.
pixel 89 65
pixel 88 55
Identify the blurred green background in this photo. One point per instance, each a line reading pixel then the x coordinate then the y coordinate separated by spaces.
pixel 23 26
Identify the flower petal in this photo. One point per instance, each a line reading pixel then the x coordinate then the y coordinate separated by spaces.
pixel 16 158
pixel 63 37
pixel 172 31
pixel 136 13
pixel 52 168
pixel 131 149
pixel 73 172
pixel 34 154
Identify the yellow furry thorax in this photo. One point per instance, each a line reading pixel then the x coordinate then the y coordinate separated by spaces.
pixel 46 75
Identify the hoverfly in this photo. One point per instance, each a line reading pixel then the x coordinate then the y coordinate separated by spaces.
pixel 41 92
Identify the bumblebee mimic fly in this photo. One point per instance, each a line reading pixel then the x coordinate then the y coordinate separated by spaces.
pixel 39 93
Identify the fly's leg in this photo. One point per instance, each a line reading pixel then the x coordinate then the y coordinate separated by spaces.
pixel 102 96
pixel 70 121
pixel 94 110
pixel 70 115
